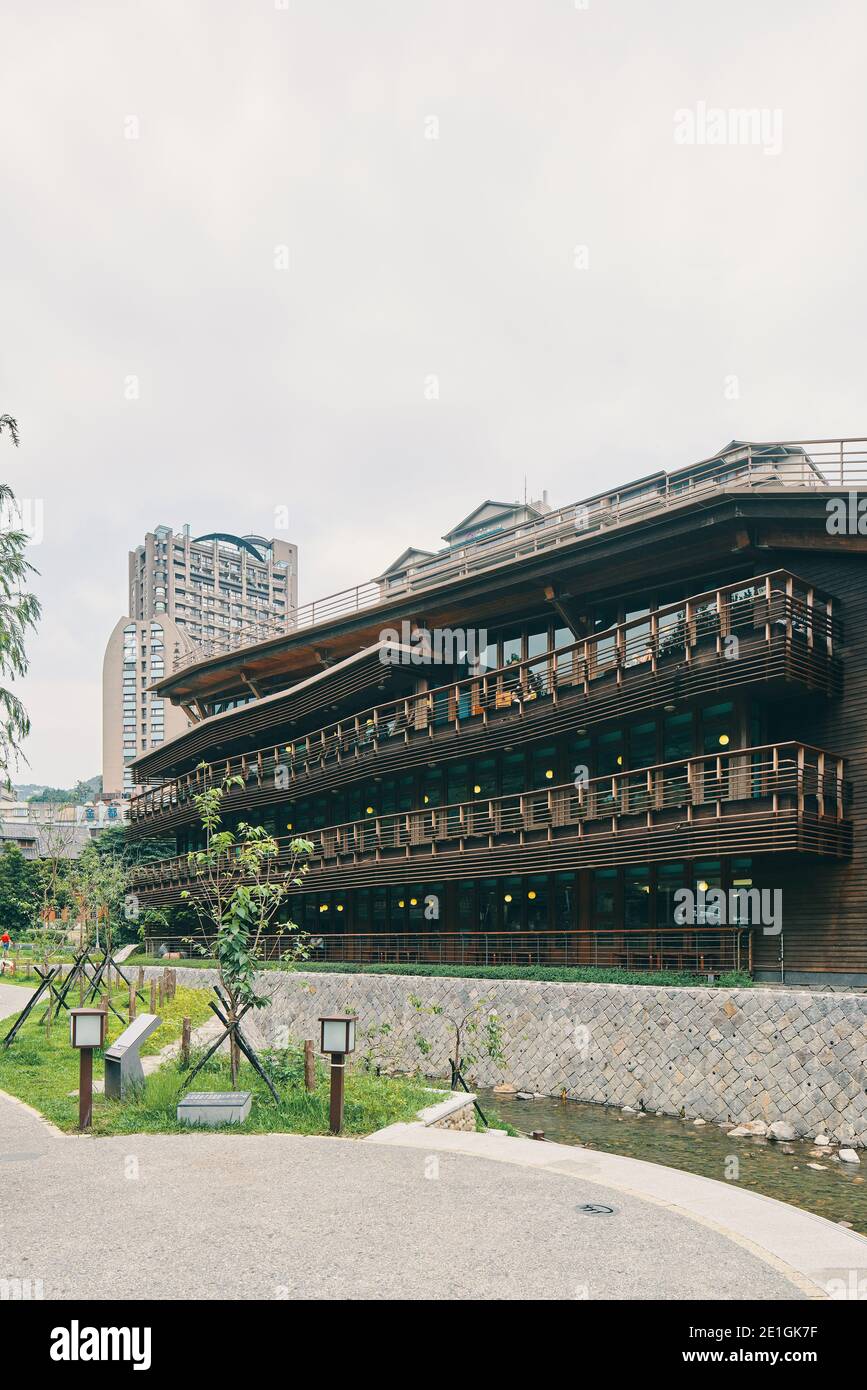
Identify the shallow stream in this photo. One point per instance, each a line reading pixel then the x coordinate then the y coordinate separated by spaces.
pixel 834 1190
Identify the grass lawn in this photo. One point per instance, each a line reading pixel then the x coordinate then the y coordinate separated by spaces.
pixel 370 1102
pixel 569 974
pixel 42 1071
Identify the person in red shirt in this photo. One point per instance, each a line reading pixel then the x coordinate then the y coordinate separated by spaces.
pixel 5 942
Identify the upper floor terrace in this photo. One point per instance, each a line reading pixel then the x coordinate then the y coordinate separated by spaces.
pixel 776 798
pixel 773 630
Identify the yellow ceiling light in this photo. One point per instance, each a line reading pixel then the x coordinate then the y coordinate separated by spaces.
pixel 288 825
pixel 340 907
pixel 323 907
pixel 401 903
pixel 702 886
pixel 531 894
pixel 477 788
pixel 549 772
pixel 413 902
pixel 368 810
pixel 426 800
pixel 724 740
pixel 507 898
pixel 619 759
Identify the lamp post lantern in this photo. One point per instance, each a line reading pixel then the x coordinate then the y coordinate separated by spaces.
pixel 86 1031
pixel 337 1041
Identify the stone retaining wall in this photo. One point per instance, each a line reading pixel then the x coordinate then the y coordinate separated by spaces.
pixel 717 1054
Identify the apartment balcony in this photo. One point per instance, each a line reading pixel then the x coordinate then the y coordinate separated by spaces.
pixel 778 798
pixel 773 631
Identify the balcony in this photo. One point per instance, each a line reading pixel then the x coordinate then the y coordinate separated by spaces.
pixel 778 798
pixel 833 465
pixel 773 630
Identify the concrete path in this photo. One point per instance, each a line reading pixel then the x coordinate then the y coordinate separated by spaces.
pixel 280 1216
pixel 815 1253
pixel 13 998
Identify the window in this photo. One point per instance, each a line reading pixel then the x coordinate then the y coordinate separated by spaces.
pixel 604 890
pixel 513 903
pixel 564 901
pixel 717 728
pixel 636 896
pixel 669 878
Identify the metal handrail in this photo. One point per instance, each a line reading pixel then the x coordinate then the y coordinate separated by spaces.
pixel 633 948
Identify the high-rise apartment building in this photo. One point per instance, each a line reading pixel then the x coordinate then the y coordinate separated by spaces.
pixel 134 718
pixel 189 598
pixel 220 589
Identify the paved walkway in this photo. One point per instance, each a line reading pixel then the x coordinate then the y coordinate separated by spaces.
pixel 280 1216
pixel 12 998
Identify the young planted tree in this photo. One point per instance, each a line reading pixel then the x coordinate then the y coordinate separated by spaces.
pixel 97 883
pixel 55 840
pixel 471 1033
pixel 240 886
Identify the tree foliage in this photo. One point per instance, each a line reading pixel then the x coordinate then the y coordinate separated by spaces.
pixel 19 612
pixel 240 887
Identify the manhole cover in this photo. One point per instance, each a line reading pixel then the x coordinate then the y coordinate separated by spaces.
pixel 595 1209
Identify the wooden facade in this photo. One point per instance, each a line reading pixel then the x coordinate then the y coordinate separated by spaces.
pixel 680 698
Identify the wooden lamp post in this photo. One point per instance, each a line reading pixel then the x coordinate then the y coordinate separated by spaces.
pixel 338 1040
pixel 86 1031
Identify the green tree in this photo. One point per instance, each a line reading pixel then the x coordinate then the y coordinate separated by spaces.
pixel 474 1030
pixel 137 920
pixel 20 894
pixel 240 887
pixel 98 881
pixel 19 612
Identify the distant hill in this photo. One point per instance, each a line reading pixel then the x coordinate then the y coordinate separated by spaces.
pixel 59 796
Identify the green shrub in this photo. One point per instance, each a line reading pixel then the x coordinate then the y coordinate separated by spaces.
pixel 567 974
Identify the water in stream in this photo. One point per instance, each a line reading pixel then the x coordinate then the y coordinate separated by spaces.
pixel 838 1191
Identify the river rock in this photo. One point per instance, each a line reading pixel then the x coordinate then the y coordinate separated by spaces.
pixel 756 1127
pixel 848 1156
pixel 627 1110
pixel 523 1095
pixel 504 1088
pixel 739 1132
pixel 821 1140
pixel 781 1130
pixel 699 1122
pixel 818 1167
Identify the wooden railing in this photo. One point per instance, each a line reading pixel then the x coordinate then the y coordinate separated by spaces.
pixel 775 608
pixel 791 780
pixel 832 464
pixel 696 950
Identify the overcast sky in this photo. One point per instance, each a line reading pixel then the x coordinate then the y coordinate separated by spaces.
pixel 498 194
